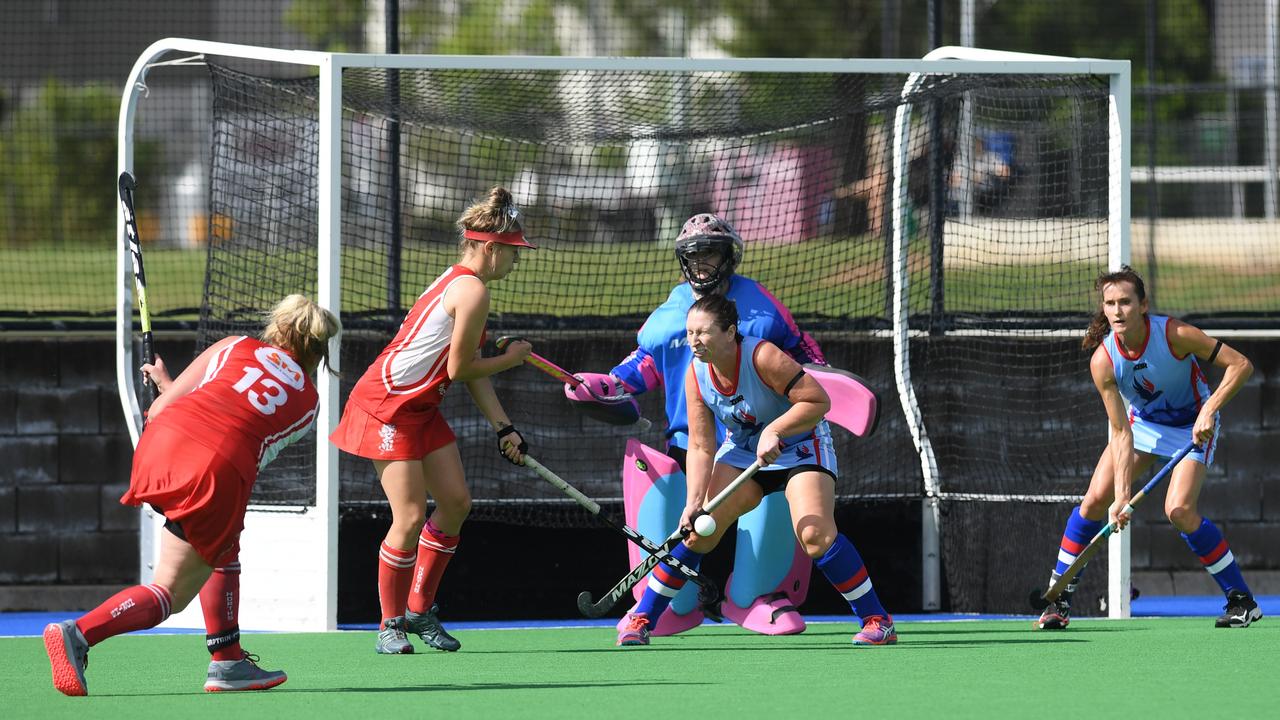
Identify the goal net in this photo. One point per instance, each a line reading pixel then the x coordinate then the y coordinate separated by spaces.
pixel 934 226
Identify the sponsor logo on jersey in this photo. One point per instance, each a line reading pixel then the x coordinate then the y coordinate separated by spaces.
pixel 1146 389
pixel 388 436
pixel 281 366
pixel 804 451
pixel 747 422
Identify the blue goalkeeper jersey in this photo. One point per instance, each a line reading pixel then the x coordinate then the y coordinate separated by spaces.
pixel 663 350
pixel 1156 384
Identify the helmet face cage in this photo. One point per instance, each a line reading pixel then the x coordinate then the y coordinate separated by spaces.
pixel 707 232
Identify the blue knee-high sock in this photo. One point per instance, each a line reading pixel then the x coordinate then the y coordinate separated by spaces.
pixel 1075 538
pixel 1208 544
pixel 665 581
pixel 844 569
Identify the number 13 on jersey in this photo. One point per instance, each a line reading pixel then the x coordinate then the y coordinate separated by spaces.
pixel 265 393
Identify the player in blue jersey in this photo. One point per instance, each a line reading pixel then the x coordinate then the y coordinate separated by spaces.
pixel 771 573
pixel 773 412
pixel 1147 369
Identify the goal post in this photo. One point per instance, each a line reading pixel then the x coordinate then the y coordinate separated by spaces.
pixel 1117 127
pixel 607 155
pixel 291 576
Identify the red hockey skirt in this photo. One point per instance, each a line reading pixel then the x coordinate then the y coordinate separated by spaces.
pixel 193 486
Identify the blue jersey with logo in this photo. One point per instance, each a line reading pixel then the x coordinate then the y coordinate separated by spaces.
pixel 746 409
pixel 1157 385
pixel 664 348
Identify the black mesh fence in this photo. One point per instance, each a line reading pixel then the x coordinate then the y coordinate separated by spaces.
pixel 1006 187
pixel 607 164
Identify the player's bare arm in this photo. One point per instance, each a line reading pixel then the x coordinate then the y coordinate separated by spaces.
pixel 1121 443
pixel 186 381
pixel 809 402
pixel 702 447
pixel 1187 339
pixel 468 303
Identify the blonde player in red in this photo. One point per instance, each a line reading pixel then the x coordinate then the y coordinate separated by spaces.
pixel 393 418
pixel 226 416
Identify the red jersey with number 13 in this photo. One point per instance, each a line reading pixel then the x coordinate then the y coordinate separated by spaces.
pixel 253 401
pixel 408 380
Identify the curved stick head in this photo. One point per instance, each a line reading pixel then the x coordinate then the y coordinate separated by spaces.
pixel 1038 600
pixel 506 340
pixel 587 607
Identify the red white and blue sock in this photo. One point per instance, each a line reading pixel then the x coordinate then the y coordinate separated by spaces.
pixel 843 567
pixel 220 604
pixel 136 608
pixel 665 582
pixel 1080 530
pixel 435 550
pixel 1214 553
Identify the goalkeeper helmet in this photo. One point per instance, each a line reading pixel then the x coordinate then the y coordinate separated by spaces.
pixel 701 233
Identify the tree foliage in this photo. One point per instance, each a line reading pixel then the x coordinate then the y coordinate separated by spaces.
pixel 60 150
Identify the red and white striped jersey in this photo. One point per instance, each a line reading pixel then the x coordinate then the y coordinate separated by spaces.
pixel 253 401
pixel 410 376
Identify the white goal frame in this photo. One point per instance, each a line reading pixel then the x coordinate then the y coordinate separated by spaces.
pixel 1118 208
pixel 290 558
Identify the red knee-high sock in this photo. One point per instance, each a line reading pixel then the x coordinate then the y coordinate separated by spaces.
pixel 395 573
pixel 435 549
pixel 220 603
pixel 136 608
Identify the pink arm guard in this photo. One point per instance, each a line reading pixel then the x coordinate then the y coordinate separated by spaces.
pixel 854 406
pixel 603 398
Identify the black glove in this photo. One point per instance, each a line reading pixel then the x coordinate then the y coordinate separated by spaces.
pixel 523 447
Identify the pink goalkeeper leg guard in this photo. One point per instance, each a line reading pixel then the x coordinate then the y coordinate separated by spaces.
pixel 653 493
pixel 770 572
pixel 773 613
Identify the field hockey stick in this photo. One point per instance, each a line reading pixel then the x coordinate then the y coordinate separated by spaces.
pixel 555 371
pixel 634 536
pixel 597 608
pixel 1039 600
pixel 126 185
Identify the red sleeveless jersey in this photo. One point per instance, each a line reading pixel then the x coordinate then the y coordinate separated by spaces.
pixel 410 376
pixel 253 401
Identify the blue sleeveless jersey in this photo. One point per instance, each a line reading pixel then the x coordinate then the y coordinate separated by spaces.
pixel 662 340
pixel 1158 386
pixel 747 409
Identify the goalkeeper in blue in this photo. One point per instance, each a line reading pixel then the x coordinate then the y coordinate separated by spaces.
pixel 773 412
pixel 770 572
pixel 1147 370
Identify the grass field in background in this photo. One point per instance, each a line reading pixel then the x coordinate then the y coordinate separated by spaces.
pixel 995 669
pixel 619 280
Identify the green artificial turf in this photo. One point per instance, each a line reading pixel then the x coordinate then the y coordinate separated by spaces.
pixel 1135 668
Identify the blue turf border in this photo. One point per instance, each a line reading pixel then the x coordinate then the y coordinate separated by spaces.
pixel 31 624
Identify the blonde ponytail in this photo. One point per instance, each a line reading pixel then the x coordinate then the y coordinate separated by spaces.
pixel 497 213
pixel 303 329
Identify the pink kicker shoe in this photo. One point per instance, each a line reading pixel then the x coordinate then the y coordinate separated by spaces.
pixel 876 630
pixel 769 614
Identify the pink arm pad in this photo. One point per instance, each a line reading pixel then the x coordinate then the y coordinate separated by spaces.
pixel 603 398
